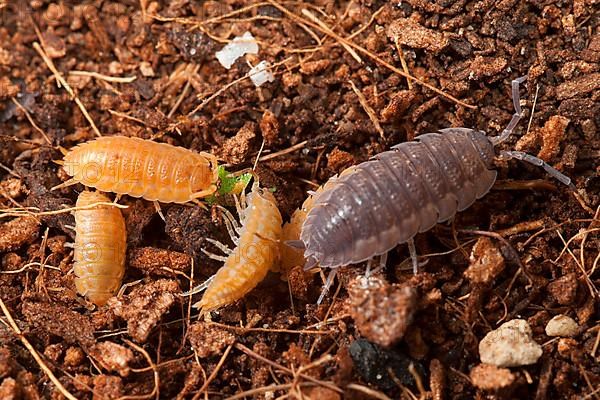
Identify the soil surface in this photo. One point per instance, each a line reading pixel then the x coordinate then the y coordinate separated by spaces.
pixel 337 99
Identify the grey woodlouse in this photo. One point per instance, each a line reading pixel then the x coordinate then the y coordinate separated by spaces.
pixel 371 208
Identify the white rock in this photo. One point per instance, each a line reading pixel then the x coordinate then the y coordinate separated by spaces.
pixel 510 345
pixel 261 73
pixel 240 45
pixel 562 325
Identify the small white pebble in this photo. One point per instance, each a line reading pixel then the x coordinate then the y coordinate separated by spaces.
pixel 261 73
pixel 378 376
pixel 510 345
pixel 240 45
pixel 562 325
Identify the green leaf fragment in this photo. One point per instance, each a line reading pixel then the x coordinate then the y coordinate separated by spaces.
pixel 229 184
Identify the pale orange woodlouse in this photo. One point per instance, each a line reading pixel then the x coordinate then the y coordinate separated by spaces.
pixel 256 251
pixel 100 244
pixel 141 168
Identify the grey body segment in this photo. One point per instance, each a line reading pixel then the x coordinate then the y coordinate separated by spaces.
pixel 389 199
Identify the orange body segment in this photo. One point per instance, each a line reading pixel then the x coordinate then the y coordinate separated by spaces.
pixel 142 168
pixel 257 251
pixel 100 244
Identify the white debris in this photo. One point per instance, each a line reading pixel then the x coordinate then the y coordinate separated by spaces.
pixel 261 73
pixel 562 325
pixel 510 345
pixel 240 45
pixel 146 69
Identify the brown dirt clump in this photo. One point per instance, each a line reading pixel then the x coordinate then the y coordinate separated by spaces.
pixel 17 232
pixel 60 321
pixel 144 306
pixel 382 312
pixel 160 262
pixel 208 339
pixel 490 377
pixel 113 357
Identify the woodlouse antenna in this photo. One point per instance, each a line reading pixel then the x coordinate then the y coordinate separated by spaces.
pixel 516 116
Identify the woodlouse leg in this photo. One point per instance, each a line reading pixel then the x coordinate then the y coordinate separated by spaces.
pixel 65 184
pixel 223 247
pixel 382 263
pixel 199 204
pixel 204 193
pixel 368 271
pixel 228 215
pixel 413 255
pixel 328 284
pixel 550 170
pixel 239 209
pixel 516 116
pixel 199 288
pixel 117 198
pixel 214 256
pixel 232 226
pixel 158 210
pixel 69 245
pixel 71 227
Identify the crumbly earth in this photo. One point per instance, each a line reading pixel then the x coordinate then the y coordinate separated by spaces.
pixel 541 262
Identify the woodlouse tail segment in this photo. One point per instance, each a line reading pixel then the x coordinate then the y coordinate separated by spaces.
pixel 550 170
pixel 62 150
pixel 516 116
pixel 310 263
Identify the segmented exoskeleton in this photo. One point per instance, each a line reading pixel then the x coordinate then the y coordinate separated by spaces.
pixel 142 168
pixel 100 244
pixel 374 206
pixel 256 251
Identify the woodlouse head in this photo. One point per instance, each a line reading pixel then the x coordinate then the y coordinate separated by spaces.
pixel 201 178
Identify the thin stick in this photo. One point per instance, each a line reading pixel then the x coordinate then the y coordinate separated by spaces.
pixel 290 149
pixel 368 391
pixel 230 84
pixel 107 78
pixel 35 354
pixel 403 62
pixel 242 330
pixel 19 212
pixel 537 89
pixel 368 109
pixel 126 116
pixel 251 353
pixel 154 370
pixel 213 374
pixel 369 54
pixel 31 121
pixel 330 32
pixel 64 83
pixel 270 388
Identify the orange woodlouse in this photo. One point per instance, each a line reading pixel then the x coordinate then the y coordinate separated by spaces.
pixel 141 168
pixel 100 244
pixel 256 251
